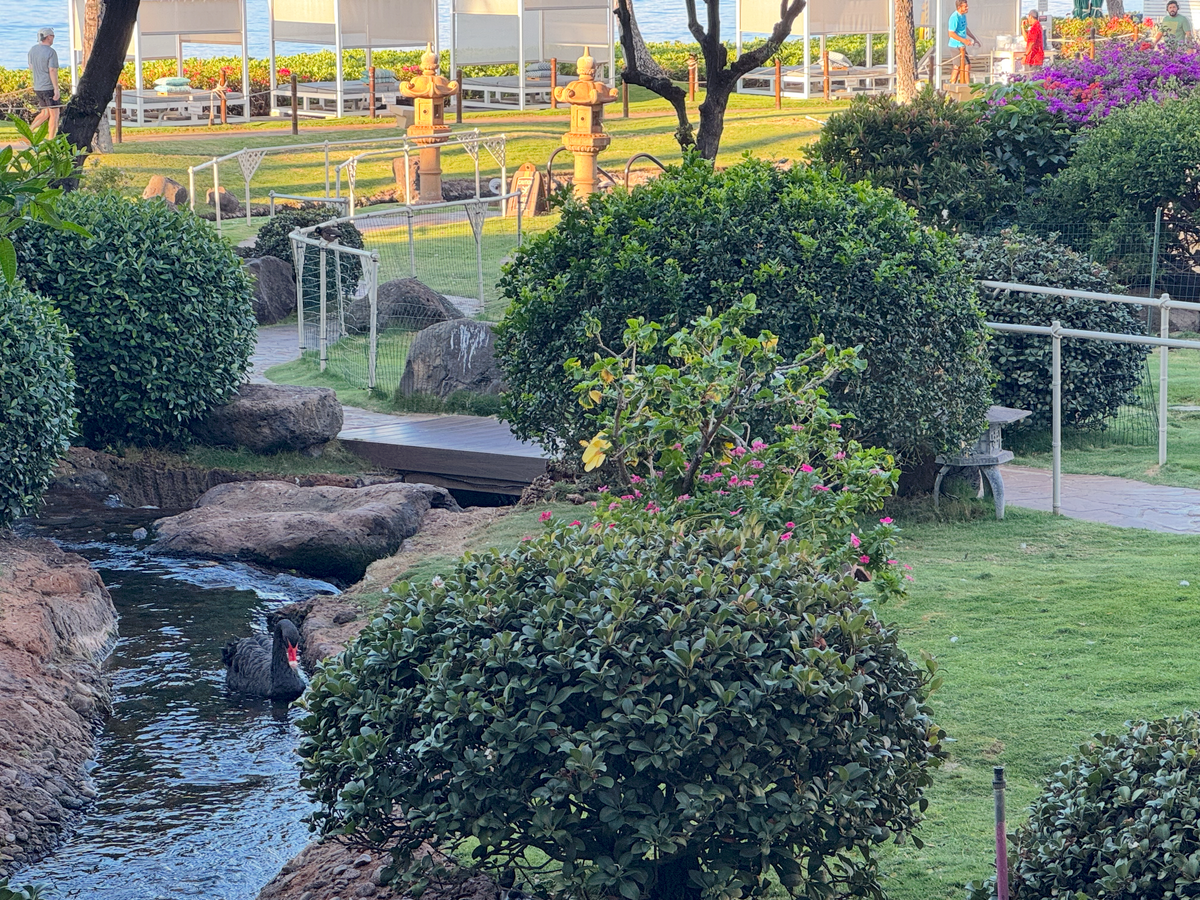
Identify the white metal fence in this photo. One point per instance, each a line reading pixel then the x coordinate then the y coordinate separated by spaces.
pixel 358 310
pixel 1056 332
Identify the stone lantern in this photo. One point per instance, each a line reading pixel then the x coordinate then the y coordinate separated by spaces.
pixel 429 91
pixel 586 138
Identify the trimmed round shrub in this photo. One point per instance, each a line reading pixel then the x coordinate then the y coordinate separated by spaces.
pixel 1097 377
pixel 37 410
pixel 821 255
pixel 273 240
pixel 1118 820
pixel 159 309
pixel 658 710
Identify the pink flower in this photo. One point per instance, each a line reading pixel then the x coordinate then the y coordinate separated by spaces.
pixel 593 504
pixel 757 444
pixel 603 489
pixel 738 451
pixel 576 524
pixel 733 479
pixel 839 455
pixel 864 559
pixel 854 540
pixel 892 562
pixel 612 524
pixel 819 487
pixel 797 428
pixel 528 537
pixel 786 536
pixel 637 494
pixel 677 446
pixel 835 425
pixel 546 516
pixel 683 498
pixel 908 578
pixel 886 520
pixel 757 464
pixel 613 505
pixel 806 468
pixel 736 511
pixel 636 479
pixel 790 525
pixel 595 524
pixel 627 496
pixel 907 566
pixel 721 493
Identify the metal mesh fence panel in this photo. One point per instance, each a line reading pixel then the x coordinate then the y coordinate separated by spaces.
pixel 426 265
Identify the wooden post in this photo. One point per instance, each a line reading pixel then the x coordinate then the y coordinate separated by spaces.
pixel 457 99
pixel 778 83
pixel 224 119
pixel 295 108
pixel 825 71
pixel 624 99
pixel 1093 38
pixel 964 74
pixel 371 90
pixel 553 81
pixel 120 112
pixel 692 79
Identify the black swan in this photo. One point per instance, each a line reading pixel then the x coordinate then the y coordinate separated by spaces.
pixel 266 667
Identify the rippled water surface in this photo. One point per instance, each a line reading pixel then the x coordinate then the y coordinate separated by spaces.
pixel 198 790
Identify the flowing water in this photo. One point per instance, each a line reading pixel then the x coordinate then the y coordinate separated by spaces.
pixel 198 789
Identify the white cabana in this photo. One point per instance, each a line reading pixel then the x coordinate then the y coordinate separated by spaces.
pixel 820 18
pixel 348 25
pixel 987 19
pixel 501 32
pixel 163 27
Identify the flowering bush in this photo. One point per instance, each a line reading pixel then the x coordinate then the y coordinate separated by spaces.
pixel 1122 74
pixel 677 443
pixel 1076 34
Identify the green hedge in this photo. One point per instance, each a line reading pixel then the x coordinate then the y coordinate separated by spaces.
pixel 160 313
pixel 37 410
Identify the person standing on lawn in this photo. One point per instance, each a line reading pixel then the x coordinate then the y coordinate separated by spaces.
pixel 1174 26
pixel 960 38
pixel 1035 46
pixel 43 65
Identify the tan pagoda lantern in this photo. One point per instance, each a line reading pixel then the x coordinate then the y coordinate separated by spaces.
pixel 429 91
pixel 586 138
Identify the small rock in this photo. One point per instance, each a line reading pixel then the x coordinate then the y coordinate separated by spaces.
pixel 11 838
pixel 308 895
pixel 342 617
pixel 377 877
pixel 1185 584
pixel 168 188
pixel 338 870
pixel 365 890
pixel 229 203
pixel 954 640
pixel 364 859
pixel 140 534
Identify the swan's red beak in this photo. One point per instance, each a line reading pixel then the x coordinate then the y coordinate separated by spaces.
pixel 293 655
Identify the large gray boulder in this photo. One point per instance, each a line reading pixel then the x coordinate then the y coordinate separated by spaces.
pixel 274 288
pixel 325 532
pixel 230 206
pixel 269 418
pixel 167 188
pixel 452 356
pixel 403 303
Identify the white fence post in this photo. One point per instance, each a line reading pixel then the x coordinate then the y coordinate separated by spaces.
pixel 192 187
pixel 412 247
pixel 216 194
pixel 1056 413
pixel 324 337
pixel 1164 329
pixel 298 248
pixel 373 295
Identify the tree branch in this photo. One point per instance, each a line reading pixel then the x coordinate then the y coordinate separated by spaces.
pixel 658 82
pixel 82 115
pixel 789 11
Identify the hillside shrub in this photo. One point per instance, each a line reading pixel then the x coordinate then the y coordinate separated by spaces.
pixel 273 240
pixel 37 409
pixel 821 256
pixel 1138 160
pixel 1097 377
pixel 1116 820
pixel 662 711
pixel 159 309
pixel 1025 139
pixel 933 153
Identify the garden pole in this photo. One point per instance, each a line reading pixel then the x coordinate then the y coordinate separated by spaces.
pixel 224 109
pixel 624 99
pixel 412 248
pixel 120 113
pixel 1056 419
pixel 692 66
pixel 1154 251
pixel 323 322
pixel 373 295
pixel 778 82
pixel 298 252
pixel 327 169
pixel 553 82
pixel 1164 329
pixel 825 69
pixel 191 185
pixel 458 99
pixel 295 108
pixel 998 785
pixel 217 194
pixel 371 91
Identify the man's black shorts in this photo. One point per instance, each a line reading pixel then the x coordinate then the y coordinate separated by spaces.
pixel 45 99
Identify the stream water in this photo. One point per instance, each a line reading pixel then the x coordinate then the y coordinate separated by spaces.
pixel 198 789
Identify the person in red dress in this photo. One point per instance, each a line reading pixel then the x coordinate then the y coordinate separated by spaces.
pixel 1035 50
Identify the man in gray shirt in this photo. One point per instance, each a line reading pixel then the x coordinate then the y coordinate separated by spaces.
pixel 43 64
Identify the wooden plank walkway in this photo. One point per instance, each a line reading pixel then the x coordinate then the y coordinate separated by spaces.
pixel 462 452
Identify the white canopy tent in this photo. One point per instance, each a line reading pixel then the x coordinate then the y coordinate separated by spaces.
pixel 500 32
pixel 164 26
pixel 821 18
pixel 351 25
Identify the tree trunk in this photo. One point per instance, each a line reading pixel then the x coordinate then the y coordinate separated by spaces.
pixel 1116 8
pixel 91 22
pixel 642 70
pixel 906 53
pixel 672 880
pixel 712 113
pixel 82 115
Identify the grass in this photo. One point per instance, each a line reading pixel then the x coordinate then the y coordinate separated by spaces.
pixel 304 372
pixel 1088 453
pixel 335 460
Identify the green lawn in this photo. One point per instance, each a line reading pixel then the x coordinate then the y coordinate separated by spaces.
pixel 1092 453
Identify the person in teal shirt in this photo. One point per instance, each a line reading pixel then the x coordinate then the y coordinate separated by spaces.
pixel 960 36
pixel 1174 26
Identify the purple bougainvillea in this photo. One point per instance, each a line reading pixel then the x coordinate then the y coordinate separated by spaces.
pixel 1122 74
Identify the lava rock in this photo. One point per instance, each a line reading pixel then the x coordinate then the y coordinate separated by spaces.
pixel 269 418
pixel 452 356
pixel 325 532
pixel 168 188
pixel 274 288
pixel 229 203
pixel 402 303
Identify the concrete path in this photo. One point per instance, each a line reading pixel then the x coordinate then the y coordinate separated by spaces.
pixel 1103 498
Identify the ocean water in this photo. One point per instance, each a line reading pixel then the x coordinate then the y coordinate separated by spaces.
pixel 660 20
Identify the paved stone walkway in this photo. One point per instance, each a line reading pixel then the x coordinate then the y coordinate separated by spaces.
pixel 1103 498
